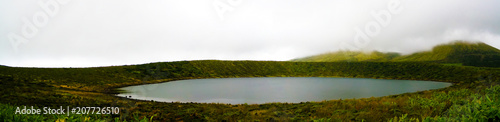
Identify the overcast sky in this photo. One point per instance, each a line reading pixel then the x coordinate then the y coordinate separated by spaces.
pixel 83 33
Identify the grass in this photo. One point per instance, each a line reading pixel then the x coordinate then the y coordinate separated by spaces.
pixel 7 114
pixel 464 106
pixel 53 87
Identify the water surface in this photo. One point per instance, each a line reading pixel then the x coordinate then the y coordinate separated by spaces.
pixel 279 89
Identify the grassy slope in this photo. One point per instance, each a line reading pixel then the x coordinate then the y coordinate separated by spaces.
pixel 85 87
pixel 456 52
pixel 349 56
pixel 466 53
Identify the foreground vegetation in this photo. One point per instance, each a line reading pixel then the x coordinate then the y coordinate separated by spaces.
pixel 474 94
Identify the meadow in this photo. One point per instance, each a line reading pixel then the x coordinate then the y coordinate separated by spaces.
pixel 474 95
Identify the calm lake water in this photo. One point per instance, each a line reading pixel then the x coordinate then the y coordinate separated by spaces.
pixel 266 90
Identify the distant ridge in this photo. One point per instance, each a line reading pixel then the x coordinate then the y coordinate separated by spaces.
pixel 349 56
pixel 467 53
pixel 457 52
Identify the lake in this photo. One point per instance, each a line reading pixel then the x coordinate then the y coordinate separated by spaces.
pixel 274 89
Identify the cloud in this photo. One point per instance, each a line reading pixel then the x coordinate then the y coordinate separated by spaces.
pixel 113 32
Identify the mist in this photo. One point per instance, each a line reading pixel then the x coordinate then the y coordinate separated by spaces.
pixel 90 33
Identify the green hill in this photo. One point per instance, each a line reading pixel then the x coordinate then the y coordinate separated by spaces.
pixel 349 56
pixel 459 52
pixel 466 53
